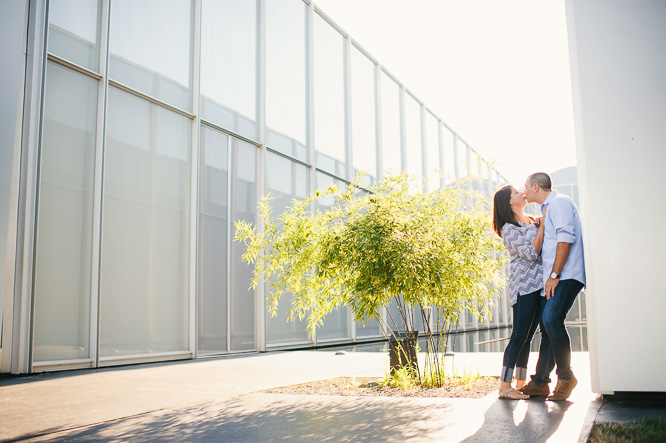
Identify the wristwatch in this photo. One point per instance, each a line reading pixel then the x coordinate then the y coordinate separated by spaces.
pixel 554 275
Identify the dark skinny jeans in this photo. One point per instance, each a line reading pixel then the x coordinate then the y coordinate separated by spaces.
pixel 526 313
pixel 555 342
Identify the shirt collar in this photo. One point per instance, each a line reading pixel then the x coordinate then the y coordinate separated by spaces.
pixel 551 196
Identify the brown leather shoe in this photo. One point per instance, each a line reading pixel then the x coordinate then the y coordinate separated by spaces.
pixel 563 390
pixel 534 390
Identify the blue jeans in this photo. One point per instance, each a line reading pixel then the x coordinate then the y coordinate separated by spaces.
pixel 555 343
pixel 526 313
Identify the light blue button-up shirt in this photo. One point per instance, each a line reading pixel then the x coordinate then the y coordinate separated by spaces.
pixel 562 226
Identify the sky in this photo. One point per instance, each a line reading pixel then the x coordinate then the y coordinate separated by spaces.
pixel 496 72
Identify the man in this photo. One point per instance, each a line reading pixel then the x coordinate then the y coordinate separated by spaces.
pixel 564 277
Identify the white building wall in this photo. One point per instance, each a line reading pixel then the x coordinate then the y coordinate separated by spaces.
pixel 618 64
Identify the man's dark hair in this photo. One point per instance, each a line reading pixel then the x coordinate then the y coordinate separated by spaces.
pixel 502 213
pixel 542 179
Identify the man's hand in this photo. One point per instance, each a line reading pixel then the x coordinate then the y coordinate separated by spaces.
pixel 551 284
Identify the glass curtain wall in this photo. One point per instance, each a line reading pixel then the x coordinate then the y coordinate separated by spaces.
pixel 329 98
pixel 13 16
pixel 151 139
pixel 63 259
pixel 229 65
pixel 286 77
pixel 364 142
pixel 413 136
pixel 391 135
pixel 285 180
pixel 449 158
pixel 336 324
pixel 434 171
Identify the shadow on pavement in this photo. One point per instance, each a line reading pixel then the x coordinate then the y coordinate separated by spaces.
pixel 259 418
pixel 533 420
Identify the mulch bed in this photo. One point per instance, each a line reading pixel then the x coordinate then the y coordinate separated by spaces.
pixel 369 386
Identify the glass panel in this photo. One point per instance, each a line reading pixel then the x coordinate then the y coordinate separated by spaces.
pixel 573 314
pixel 73 32
pixel 413 138
pixel 391 152
pixel 145 229
pixel 286 71
pixel 285 181
pixel 63 262
pixel 371 329
pixel 150 48
pixel 432 157
pixel 394 318
pixel 461 155
pixel 229 65
pixel 12 22
pixel 336 324
pixel 243 207
pixel 447 142
pixel 329 98
pixel 363 115
pixel 213 241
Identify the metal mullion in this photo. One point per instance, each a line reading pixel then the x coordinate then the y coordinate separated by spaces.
pixel 309 50
pixel 363 51
pixel 195 155
pixel 440 148
pixel 259 294
pixel 78 68
pixel 424 147
pixel 330 21
pixel 456 157
pixel 150 98
pixel 379 141
pixel 291 159
pixel 403 131
pixel 98 186
pixel 18 341
pixel 349 145
pixel 229 238
pixel 214 126
pixel 330 174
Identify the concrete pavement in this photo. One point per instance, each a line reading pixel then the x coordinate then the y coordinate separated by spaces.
pixel 220 399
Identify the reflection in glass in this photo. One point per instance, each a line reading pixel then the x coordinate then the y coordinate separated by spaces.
pixel 285 181
pixel 150 48
pixel 213 242
pixel 145 229
pixel 14 16
pixel 413 138
pixel 286 79
pixel 391 156
pixel 63 262
pixel 363 115
pixel 229 65
pixel 243 207
pixel 432 143
pixel 73 32
pixel 329 98
pixel 335 323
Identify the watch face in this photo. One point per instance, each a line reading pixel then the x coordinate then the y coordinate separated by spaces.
pixel 554 275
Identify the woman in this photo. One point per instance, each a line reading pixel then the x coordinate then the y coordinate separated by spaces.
pixel 522 236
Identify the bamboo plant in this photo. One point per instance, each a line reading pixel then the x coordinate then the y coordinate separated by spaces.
pixel 430 253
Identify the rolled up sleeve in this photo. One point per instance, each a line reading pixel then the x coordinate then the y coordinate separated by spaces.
pixel 563 221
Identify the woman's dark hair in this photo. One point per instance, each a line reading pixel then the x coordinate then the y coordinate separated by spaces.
pixel 502 213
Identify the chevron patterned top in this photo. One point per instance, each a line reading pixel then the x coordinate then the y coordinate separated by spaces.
pixel 525 271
